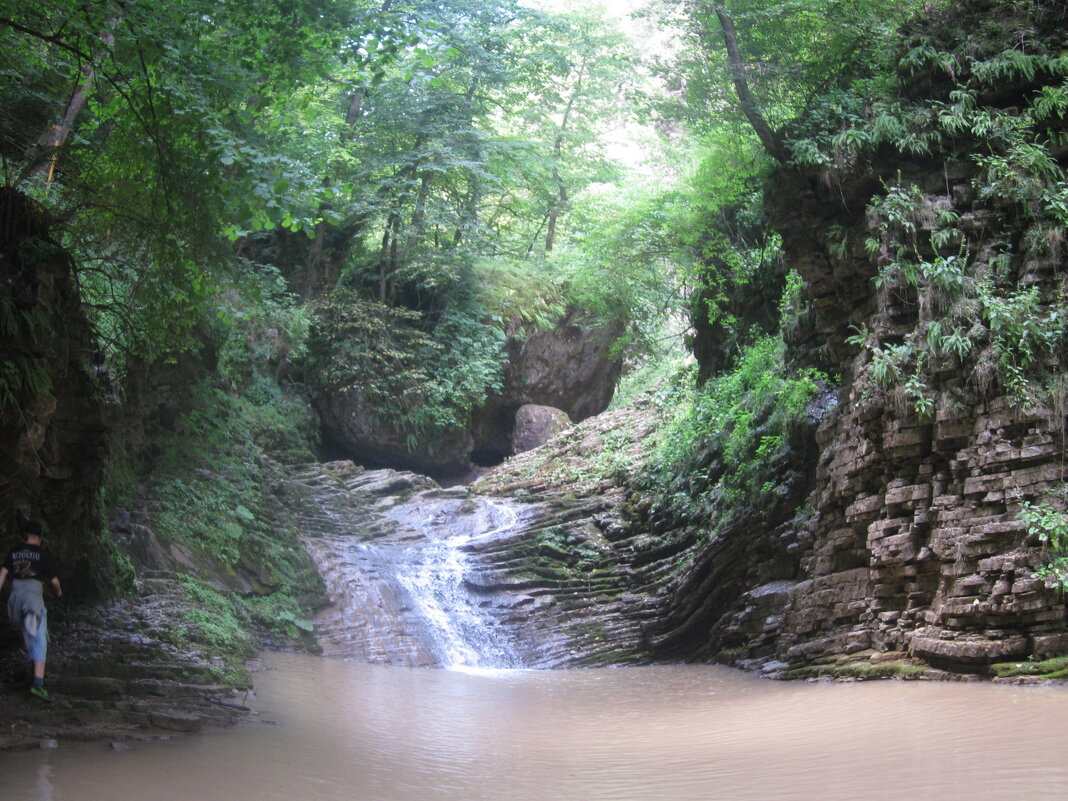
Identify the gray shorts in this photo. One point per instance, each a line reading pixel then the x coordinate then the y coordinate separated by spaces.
pixel 26 611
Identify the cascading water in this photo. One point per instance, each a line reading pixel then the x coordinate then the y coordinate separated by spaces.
pixel 464 634
pixel 398 566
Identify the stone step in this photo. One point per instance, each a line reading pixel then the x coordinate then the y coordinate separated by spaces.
pixel 137 670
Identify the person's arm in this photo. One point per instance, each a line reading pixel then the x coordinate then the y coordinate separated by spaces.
pixel 55 586
pixel 3 577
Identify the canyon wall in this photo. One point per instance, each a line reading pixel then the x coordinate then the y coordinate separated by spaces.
pixel 52 398
pixel 894 540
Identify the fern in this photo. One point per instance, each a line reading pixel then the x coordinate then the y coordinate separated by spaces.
pixel 1052 101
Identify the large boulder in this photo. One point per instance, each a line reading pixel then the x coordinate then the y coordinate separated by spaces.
pixel 570 367
pixel 535 425
pixel 351 431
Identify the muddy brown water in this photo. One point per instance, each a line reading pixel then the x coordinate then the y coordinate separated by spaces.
pixel 329 730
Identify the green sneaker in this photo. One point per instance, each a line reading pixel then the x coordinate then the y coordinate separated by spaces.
pixel 41 692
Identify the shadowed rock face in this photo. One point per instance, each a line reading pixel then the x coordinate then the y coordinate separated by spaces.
pixel 351 432
pixel 52 430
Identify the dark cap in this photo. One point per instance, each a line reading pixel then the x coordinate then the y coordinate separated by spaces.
pixel 31 527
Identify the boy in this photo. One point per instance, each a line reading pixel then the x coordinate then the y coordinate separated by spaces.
pixel 30 566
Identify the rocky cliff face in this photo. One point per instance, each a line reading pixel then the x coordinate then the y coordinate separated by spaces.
pixel 917 545
pixel 911 542
pixel 52 431
pixel 897 544
pixel 569 367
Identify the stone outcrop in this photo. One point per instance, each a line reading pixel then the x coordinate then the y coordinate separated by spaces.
pixel 595 581
pixel 52 428
pixel 570 367
pixel 910 542
pixel 350 430
pixel 556 574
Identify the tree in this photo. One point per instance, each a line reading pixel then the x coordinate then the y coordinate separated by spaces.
pixel 151 143
pixel 762 64
pixel 467 143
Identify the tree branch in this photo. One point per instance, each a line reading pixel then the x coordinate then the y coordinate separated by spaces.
pixel 44 37
pixel 52 140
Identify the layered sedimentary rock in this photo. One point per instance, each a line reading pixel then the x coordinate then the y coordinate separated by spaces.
pixel 897 536
pixel 911 541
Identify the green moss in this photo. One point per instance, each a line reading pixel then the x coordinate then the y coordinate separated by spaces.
pixel 1054 668
pixel 215 620
pixel 210 491
pixel 857 670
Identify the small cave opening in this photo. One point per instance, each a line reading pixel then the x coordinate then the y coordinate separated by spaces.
pixel 492 429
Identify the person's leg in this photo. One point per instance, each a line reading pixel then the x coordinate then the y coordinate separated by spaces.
pixel 38 651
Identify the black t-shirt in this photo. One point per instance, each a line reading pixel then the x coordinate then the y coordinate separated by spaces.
pixel 30 562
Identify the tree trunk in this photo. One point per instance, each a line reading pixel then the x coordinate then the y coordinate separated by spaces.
pixel 554 212
pixel 419 212
pixel 387 256
pixel 352 115
pixel 558 148
pixel 52 140
pixel 750 107
pixel 469 213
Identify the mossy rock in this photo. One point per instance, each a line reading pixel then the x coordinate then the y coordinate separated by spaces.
pixel 858 670
pixel 1055 668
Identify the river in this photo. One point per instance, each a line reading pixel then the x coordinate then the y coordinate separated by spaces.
pixel 333 730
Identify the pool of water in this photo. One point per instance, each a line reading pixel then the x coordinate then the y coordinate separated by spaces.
pixel 330 730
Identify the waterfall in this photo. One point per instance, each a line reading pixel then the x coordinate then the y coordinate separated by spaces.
pixel 434 572
pixel 397 566
pixel 465 635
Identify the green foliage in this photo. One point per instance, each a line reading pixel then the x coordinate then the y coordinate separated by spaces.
pixel 208 488
pixel 1049 525
pixel 523 291
pixel 214 620
pixel 423 379
pixel 208 474
pixel 726 442
pixel 262 329
pixel 622 266
pixel 22 374
pixel 169 141
pixel 793 308
pixel 966 305
pixel 114 571
pixel 793 52
pixel 280 614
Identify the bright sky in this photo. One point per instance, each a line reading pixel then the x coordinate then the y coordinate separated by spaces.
pixel 632 145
